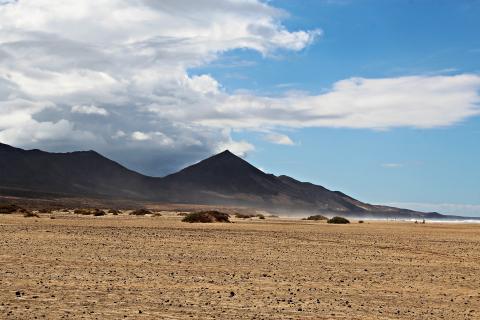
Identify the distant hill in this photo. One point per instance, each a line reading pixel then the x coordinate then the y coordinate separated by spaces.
pixel 221 179
pixel 84 173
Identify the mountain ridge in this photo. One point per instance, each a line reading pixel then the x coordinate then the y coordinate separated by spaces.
pixel 222 179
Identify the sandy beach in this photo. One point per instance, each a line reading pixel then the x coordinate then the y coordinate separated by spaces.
pixel 116 267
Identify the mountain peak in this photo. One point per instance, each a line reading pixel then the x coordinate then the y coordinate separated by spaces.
pixel 226 153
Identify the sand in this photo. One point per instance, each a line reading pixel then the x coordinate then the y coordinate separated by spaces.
pixel 116 267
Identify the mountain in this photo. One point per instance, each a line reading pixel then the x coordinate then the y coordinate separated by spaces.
pixel 84 173
pixel 229 180
pixel 223 179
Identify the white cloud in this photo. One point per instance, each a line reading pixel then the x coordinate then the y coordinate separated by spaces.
pixel 240 148
pixel 392 165
pixel 279 138
pixel 140 136
pixel 415 101
pixel 90 110
pixel 59 59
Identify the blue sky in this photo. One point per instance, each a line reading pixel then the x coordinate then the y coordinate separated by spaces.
pixel 378 99
pixel 419 168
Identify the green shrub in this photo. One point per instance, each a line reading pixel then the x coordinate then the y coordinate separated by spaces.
pixel 338 220
pixel 317 217
pixel 249 215
pixel 207 217
pixel 361 221
pixel 244 215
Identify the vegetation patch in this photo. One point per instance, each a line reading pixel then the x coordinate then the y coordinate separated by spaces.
pixel 98 213
pixel 207 217
pixel 30 214
pixel 114 212
pixel 10 208
pixel 87 212
pixel 140 212
pixel 249 215
pixel 317 217
pixel 338 220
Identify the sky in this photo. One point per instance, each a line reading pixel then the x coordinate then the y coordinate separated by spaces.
pixel 378 99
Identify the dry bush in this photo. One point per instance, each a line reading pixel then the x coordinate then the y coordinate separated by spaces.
pixel 140 212
pixel 114 212
pixel 157 214
pixel 338 220
pixel 30 214
pixel 207 217
pixel 44 210
pixel 249 215
pixel 84 212
pixel 87 212
pixel 244 215
pixel 98 212
pixel 317 217
pixel 10 208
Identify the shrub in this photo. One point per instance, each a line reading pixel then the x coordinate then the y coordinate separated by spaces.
pixel 87 212
pixel 338 220
pixel 140 212
pixel 30 214
pixel 361 221
pixel 82 211
pixel 114 212
pixel 44 211
pixel 10 208
pixel 244 215
pixel 249 215
pixel 156 214
pixel 207 217
pixel 317 217
pixel 98 212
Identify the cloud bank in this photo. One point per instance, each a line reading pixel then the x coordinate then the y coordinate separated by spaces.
pixel 113 76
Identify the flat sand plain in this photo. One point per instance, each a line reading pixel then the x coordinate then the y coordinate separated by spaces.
pixel 116 267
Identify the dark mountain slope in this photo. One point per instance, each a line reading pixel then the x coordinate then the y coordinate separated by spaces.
pixel 228 179
pixel 77 173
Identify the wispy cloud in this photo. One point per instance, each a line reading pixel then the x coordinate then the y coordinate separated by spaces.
pixel 392 165
pixel 278 138
pixel 90 110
